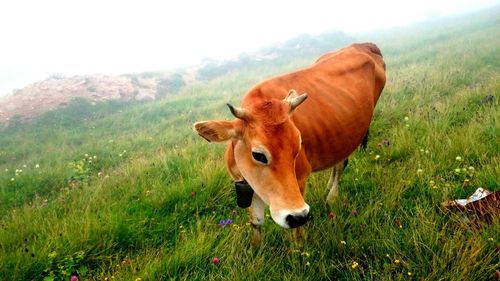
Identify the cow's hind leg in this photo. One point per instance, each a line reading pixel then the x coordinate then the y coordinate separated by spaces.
pixel 333 182
pixel 257 215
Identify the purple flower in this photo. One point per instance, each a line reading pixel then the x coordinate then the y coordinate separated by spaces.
pixel 224 223
pixel 74 278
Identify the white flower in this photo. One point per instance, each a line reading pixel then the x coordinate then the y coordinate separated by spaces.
pixel 458 158
pixel 419 171
pixel 37 166
pixel 6 169
pixel 407 118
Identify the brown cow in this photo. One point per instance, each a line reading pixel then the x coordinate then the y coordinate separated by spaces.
pixel 274 144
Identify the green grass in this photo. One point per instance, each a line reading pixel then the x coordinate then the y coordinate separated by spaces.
pixel 148 205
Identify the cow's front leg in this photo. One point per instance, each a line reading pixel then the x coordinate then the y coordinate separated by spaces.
pixel 257 216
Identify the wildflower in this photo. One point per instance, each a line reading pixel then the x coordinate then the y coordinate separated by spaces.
pixel 490 239
pixel 377 157
pixel 343 242
pixel 73 277
pixel 308 263
pixel 12 179
pixel 120 155
pixel 426 151
pixel 419 171
pixel 24 166
pixel 421 150
pixel 458 158
pixel 86 155
pixel 471 168
pixel 387 255
pixel 52 254
pixel 409 273
pixel 407 118
pixel 138 279
pixel 224 223
pixel 215 260
pixel 466 183
pixel 6 169
pixel 37 166
pixel 94 157
pixel 457 170
pixel 331 215
pixel 397 261
pixel 305 254
pixel 354 265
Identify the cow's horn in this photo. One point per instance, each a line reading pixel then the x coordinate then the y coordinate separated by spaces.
pixel 238 112
pixel 294 100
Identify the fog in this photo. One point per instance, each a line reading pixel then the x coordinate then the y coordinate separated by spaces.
pixel 40 38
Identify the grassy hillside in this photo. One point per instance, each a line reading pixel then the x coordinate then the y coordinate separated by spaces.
pixel 129 192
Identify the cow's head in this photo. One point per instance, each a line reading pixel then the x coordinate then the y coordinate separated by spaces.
pixel 266 144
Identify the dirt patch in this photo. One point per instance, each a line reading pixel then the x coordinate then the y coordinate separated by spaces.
pixel 50 94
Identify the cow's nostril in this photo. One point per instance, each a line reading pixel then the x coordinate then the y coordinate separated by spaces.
pixel 296 220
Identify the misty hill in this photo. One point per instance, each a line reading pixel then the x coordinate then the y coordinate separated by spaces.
pixel 58 91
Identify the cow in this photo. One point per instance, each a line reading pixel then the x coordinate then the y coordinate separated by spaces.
pixel 297 123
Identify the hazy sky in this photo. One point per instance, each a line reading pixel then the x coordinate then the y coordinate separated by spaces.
pixel 39 38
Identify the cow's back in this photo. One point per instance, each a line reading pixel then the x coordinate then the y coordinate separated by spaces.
pixel 343 88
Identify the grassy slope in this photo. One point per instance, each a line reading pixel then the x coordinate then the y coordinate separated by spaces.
pixel 153 210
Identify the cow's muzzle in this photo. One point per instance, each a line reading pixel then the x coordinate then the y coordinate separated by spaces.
pixel 244 193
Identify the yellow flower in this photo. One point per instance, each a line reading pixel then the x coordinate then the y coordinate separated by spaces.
pixel 308 263
pixel 397 261
pixel 138 279
pixel 305 254
pixel 409 273
pixel 343 242
pixel 52 254
pixel 354 265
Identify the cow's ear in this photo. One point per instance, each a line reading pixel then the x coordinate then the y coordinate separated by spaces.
pixel 216 131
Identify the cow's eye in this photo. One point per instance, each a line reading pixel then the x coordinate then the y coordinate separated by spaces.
pixel 259 157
